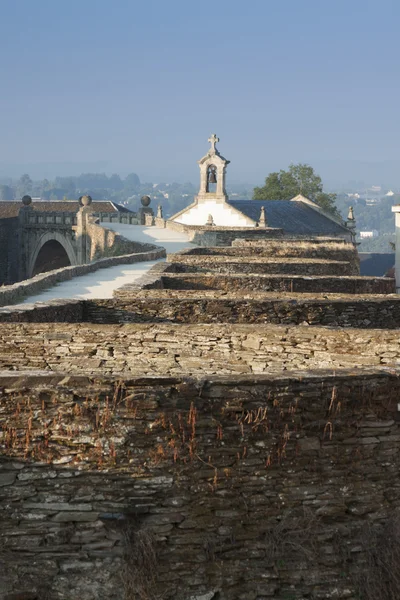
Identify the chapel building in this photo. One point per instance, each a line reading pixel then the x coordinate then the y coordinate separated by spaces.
pixel 212 206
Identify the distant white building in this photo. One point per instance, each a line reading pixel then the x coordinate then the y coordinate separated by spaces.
pixel 390 193
pixel 369 234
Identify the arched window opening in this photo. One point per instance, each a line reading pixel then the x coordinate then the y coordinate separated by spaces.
pixel 51 256
pixel 211 179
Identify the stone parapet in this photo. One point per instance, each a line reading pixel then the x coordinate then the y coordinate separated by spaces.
pixel 277 283
pixel 222 236
pixel 53 311
pixel 131 305
pixel 209 306
pixel 260 265
pixel 318 248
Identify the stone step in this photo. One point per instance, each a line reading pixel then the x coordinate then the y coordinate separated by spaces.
pixel 291 239
pixel 262 265
pixel 211 306
pixel 278 283
pixel 337 250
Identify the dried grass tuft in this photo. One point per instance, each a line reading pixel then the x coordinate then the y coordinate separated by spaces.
pixel 140 565
pixel 380 580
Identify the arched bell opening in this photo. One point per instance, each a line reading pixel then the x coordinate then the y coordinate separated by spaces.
pixel 211 179
pixel 51 256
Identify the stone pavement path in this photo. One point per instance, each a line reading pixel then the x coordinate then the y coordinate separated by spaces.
pixel 103 282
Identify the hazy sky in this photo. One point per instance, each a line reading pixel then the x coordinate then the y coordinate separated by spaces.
pixel 129 85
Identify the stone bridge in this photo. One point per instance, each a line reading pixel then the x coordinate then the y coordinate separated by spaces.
pixel 49 237
pixel 33 241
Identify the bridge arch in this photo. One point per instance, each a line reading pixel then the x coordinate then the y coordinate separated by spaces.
pixel 57 246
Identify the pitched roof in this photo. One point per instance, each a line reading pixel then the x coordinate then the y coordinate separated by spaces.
pixel 294 217
pixel 11 209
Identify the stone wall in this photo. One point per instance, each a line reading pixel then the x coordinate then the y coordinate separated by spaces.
pixel 207 306
pixel 292 266
pixel 106 242
pixel 145 349
pixel 222 236
pixel 239 489
pixel 267 250
pixel 213 307
pixel 277 283
pixel 8 250
pixel 149 220
pixel 53 311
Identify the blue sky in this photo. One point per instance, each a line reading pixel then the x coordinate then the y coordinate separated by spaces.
pixel 125 85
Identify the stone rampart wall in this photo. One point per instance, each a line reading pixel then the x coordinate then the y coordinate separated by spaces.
pixel 272 248
pixel 53 311
pixel 222 236
pixel 284 266
pixel 157 305
pixel 245 488
pixel 18 291
pixel 207 306
pixel 278 283
pixel 320 240
pixel 143 349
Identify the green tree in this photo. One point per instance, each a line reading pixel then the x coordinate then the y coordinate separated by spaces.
pixel 131 183
pixel 298 179
pixel 6 192
pixel 115 182
pixel 24 186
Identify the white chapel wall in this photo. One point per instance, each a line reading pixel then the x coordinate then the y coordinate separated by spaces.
pixel 222 214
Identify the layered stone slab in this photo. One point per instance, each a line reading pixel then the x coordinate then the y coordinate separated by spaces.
pixel 322 248
pixel 143 349
pixel 211 306
pixel 260 265
pixel 276 283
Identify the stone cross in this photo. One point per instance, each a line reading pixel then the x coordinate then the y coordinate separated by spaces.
pixel 213 140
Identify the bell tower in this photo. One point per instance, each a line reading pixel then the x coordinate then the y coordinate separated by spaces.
pixel 212 174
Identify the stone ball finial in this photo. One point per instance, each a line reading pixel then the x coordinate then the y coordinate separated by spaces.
pixel 145 200
pixel 85 200
pixel 26 200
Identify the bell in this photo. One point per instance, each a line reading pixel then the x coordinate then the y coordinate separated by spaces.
pixel 212 176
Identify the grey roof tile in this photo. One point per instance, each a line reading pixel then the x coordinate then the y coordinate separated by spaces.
pixel 295 217
pixel 11 208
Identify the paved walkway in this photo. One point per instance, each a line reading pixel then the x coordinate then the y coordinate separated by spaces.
pixel 103 282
